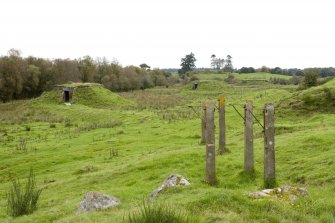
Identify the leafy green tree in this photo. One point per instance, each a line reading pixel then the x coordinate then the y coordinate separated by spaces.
pixel 102 69
pixel 66 70
pixel 31 81
pixel 311 77
pixel 87 69
pixel 14 53
pixel 29 77
pixel 158 77
pixel 187 63
pixel 145 66
pixel 265 69
pixel 219 63
pixel 229 64
pixel 213 61
pixel 12 73
pixel 216 62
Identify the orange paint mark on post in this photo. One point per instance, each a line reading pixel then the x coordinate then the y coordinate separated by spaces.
pixel 221 101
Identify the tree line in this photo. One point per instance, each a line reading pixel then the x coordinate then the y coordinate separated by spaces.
pixel 22 78
pixel 307 77
pixel 218 63
pixel 323 72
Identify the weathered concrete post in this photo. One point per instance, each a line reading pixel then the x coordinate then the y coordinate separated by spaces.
pixel 248 138
pixel 222 126
pixel 210 143
pixel 203 123
pixel 269 147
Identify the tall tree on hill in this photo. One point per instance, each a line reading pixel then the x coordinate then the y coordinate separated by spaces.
pixel 187 63
pixel 216 62
pixel 213 61
pixel 229 64
pixel 219 63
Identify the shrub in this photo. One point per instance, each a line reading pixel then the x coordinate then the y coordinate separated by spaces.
pixel 231 79
pixel 311 77
pixel 22 199
pixel 328 93
pixel 52 125
pixel 150 213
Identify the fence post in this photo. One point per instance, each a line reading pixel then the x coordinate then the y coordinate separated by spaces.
pixel 269 147
pixel 203 123
pixel 210 143
pixel 248 138
pixel 222 126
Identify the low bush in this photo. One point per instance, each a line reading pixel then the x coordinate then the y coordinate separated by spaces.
pixel 22 199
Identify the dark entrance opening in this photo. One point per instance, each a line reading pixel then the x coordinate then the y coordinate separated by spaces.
pixel 194 86
pixel 66 96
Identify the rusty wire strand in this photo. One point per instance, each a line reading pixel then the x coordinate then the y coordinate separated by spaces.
pixel 238 112
pixel 192 107
pixel 257 119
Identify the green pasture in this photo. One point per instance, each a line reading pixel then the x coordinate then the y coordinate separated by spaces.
pixel 156 134
pixel 251 76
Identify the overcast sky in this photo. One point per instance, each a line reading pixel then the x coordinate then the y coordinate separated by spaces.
pixel 285 33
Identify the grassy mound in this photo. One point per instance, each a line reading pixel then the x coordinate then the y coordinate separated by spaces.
pixel 91 95
pixel 320 98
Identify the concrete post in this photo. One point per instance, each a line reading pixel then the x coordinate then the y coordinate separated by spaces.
pixel 248 139
pixel 203 123
pixel 269 147
pixel 222 126
pixel 210 143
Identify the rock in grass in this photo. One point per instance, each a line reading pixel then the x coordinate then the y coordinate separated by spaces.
pixel 171 181
pixel 94 201
pixel 287 193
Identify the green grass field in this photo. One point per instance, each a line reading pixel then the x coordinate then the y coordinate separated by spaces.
pixel 250 76
pixel 156 134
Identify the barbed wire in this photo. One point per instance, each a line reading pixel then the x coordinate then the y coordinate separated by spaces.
pixel 198 106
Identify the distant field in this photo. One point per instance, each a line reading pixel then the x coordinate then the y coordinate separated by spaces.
pixel 266 76
pixel 156 134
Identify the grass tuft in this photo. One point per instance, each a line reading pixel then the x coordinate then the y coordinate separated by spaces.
pixel 150 213
pixel 22 199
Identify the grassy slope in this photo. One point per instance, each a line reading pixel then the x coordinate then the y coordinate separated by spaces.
pixel 155 138
pixel 320 98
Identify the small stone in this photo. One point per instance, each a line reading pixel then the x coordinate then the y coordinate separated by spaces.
pixel 268 191
pixel 171 181
pixel 287 193
pixel 258 194
pixel 94 201
pixel 303 191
